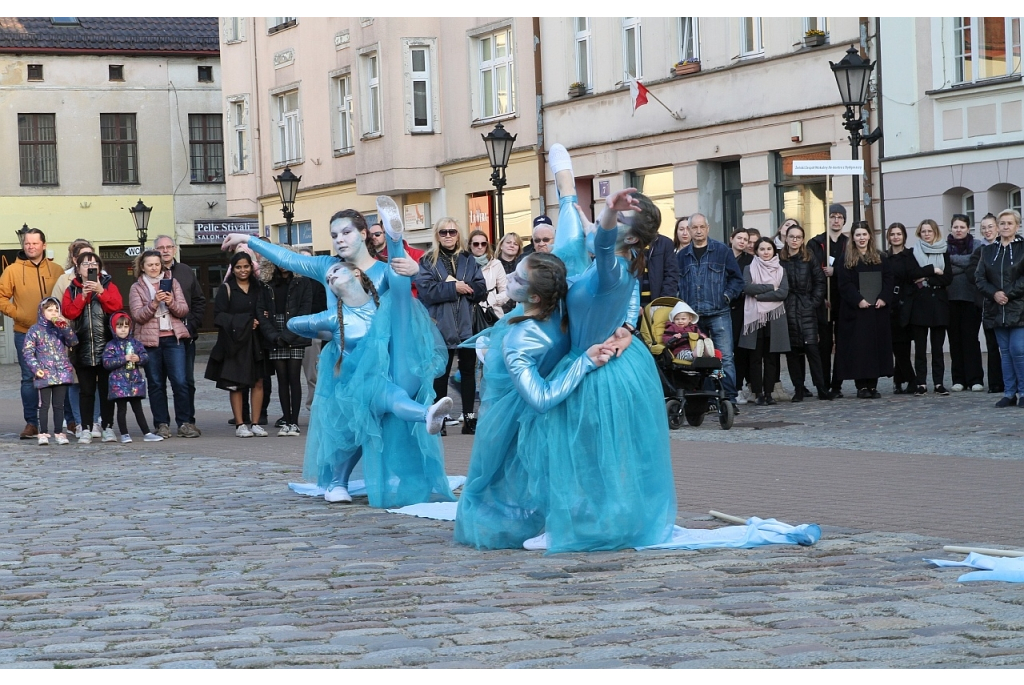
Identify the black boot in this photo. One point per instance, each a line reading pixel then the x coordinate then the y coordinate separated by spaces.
pixel 798 394
pixel 444 430
pixel 469 424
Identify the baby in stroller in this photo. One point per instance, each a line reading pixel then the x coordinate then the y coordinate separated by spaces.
pixel 683 338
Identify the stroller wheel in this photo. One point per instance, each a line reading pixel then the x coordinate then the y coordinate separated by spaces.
pixel 726 414
pixel 674 408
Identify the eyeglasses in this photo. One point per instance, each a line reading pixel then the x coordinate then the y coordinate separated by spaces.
pixel 448 231
pixel 478 244
pixel 376 234
pixel 542 240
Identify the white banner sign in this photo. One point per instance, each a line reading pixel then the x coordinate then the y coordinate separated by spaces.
pixel 829 167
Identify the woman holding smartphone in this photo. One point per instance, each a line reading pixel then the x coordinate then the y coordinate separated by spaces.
pixel 159 308
pixel 88 301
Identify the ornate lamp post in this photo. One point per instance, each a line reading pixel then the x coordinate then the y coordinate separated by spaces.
pixel 499 149
pixel 853 75
pixel 140 213
pixel 287 187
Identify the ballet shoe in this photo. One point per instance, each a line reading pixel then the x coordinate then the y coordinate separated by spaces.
pixel 436 415
pixel 390 217
pixel 559 159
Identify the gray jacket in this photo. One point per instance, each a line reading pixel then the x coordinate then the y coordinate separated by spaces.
pixel 778 327
pixel 963 266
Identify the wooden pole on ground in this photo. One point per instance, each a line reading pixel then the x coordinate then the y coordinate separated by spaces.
pixel 984 550
pixel 734 519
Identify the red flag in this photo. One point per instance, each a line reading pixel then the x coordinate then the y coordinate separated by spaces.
pixel 637 93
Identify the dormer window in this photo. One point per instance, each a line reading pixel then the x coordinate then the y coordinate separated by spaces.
pixel 65 21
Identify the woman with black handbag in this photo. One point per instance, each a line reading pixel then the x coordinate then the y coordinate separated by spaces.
pixel 492 308
pixel 450 284
pixel 901 262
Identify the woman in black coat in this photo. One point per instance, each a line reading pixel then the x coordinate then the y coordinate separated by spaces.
pixel 902 263
pixel 237 359
pixel 863 343
pixel 288 296
pixel 929 313
pixel 450 284
pixel 741 357
pixel 806 293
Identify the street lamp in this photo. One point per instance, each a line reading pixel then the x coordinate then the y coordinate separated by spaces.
pixel 21 232
pixel 140 213
pixel 287 187
pixel 499 149
pixel 853 74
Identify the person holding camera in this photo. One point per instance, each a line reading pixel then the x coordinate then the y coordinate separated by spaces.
pixel 158 306
pixel 89 300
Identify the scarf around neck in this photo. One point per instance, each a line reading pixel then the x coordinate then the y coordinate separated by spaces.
pixel 961 246
pixel 756 313
pixel 930 253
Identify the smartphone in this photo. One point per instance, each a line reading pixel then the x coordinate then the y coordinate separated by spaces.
pixel 166 285
pixel 92 274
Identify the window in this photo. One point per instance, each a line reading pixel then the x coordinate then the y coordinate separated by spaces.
pixel 657 184
pixel 238 119
pixel 750 37
pixel 302 233
pixel 37 148
pixel 289 137
pixel 206 148
pixel 343 129
pixel 497 78
pixel 119 146
pixel 632 66
pixel 967 207
pixel 816 24
pixel 732 196
pixel 35 72
pixel 689 48
pixel 801 197
pixel 116 72
pixel 371 64
pixel 234 29
pixel 422 117
pixel 1013 200
pixel 275 24
pixel 985 47
pixel 206 74
pixel 583 58
pixel 64 21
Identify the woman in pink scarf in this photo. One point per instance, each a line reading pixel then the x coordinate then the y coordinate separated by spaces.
pixel 765 328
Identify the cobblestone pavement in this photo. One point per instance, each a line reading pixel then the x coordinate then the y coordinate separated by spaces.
pixel 193 553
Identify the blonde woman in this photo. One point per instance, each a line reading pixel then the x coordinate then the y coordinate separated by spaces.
pixel 494 274
pixel 510 252
pixel 450 284
pixel 929 312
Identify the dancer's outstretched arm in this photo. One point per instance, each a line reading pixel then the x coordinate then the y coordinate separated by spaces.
pixel 521 348
pixel 321 325
pixel 313 267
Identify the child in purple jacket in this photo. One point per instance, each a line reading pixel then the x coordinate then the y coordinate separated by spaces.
pixel 46 352
pixel 124 357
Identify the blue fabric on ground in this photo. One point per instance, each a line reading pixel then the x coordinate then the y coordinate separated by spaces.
pixel 756 533
pixel 1008 569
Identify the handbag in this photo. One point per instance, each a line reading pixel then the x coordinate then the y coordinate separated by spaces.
pixel 483 318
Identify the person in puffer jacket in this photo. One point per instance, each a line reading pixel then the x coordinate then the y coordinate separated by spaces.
pixel 123 358
pixel 47 354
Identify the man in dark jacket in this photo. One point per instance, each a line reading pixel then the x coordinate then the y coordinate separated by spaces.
pixel 829 311
pixel 186 278
pixel 661 276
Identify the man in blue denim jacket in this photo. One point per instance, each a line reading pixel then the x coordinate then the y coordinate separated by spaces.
pixel 709 279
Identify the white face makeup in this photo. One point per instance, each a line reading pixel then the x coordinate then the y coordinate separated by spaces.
pixel 346 237
pixel 517 283
pixel 337 276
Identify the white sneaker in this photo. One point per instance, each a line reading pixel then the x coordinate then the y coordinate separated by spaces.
pixel 108 435
pixel 257 430
pixel 436 415
pixel 390 217
pixel 85 438
pixel 151 437
pixel 43 438
pixel 96 432
pixel 126 438
pixel 284 431
pixel 741 398
pixel 538 543
pixel 977 387
pixel 957 387
pixel 450 421
pixel 294 430
pixel 60 439
pixel 336 494
pixel 243 431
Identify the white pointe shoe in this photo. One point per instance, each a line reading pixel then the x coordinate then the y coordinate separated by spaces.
pixel 437 413
pixel 559 159
pixel 536 544
pixel 390 217
pixel 337 493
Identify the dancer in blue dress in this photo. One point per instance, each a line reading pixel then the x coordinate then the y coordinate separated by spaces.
pixel 600 459
pixel 497 508
pixel 367 410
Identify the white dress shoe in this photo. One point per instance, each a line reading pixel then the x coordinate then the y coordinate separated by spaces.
pixel 338 494
pixel 538 543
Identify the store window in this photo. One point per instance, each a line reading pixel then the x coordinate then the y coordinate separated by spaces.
pixel 657 184
pixel 803 198
pixel 302 233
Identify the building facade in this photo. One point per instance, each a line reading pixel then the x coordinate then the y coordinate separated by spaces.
pixel 103 112
pixel 952 108
pixel 733 102
pixel 359 107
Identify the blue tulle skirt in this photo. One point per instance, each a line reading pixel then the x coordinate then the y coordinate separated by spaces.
pixel 401 463
pixel 496 509
pixel 599 463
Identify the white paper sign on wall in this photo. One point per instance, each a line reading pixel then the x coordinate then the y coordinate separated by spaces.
pixel 828 167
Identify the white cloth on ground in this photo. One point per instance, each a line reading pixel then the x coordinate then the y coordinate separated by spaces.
pixel 1009 569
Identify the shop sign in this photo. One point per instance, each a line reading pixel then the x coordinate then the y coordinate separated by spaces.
pixel 207 232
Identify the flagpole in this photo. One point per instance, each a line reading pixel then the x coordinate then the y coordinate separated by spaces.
pixel 675 116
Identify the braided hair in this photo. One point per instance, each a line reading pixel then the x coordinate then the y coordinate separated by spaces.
pixel 547 281
pixel 368 286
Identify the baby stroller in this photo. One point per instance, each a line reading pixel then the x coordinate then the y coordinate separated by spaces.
pixel 692 388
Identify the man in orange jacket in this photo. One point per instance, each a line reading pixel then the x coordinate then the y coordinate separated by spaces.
pixel 23 286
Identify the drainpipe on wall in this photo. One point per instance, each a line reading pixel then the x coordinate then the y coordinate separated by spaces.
pixel 539 85
pixel 879 118
pixel 257 152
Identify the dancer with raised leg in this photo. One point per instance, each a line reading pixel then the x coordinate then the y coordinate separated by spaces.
pixel 356 403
